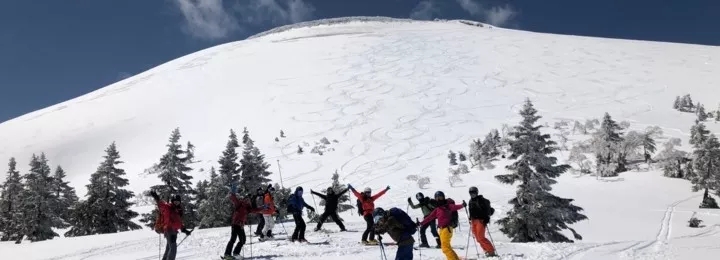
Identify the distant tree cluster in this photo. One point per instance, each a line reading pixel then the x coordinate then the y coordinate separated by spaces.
pixel 484 152
pixel 33 204
pixel 685 104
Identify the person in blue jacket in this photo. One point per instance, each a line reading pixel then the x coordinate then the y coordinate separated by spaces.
pixel 296 204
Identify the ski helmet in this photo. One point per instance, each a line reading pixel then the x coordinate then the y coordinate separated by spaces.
pixel 367 190
pixel 439 194
pixel 378 213
pixel 299 190
pixel 330 190
pixel 473 190
pixel 419 196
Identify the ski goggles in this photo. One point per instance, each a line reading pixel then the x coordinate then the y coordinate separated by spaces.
pixel 376 219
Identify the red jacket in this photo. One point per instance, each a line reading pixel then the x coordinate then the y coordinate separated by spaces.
pixel 368 204
pixel 443 215
pixel 172 216
pixel 242 209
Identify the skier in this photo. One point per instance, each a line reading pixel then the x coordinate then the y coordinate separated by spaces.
pixel 257 201
pixel 243 207
pixel 169 221
pixel 427 205
pixel 331 204
pixel 296 203
pixel 480 212
pixel 268 212
pixel 400 227
pixel 443 214
pixel 368 205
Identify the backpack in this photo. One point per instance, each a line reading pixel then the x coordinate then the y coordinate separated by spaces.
pixel 159 223
pixel 455 218
pixel 291 205
pixel 359 207
pixel 404 219
pixel 489 210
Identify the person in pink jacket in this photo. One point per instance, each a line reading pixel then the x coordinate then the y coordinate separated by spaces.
pixel 443 214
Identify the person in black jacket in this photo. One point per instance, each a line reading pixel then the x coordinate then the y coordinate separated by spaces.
pixel 427 205
pixel 258 197
pixel 480 212
pixel 331 205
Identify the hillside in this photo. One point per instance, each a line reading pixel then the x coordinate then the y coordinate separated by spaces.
pixel 396 95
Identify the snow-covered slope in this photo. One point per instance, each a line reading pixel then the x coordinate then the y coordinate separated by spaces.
pixel 396 95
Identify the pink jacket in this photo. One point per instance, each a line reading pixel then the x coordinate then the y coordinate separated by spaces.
pixel 443 215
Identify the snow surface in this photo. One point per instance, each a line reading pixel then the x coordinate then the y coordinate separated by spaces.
pixel 397 95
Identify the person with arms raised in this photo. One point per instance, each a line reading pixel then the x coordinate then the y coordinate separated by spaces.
pixel 367 200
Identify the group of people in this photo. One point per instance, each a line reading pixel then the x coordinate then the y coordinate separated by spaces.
pixel 437 212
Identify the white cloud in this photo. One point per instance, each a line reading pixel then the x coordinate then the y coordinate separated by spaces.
pixel 425 10
pixel 275 12
pixel 498 16
pixel 207 19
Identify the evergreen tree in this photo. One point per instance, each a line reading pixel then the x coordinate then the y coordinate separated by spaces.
pixel 453 158
pixel 648 142
pixel 677 103
pixel 254 169
pixel 706 167
pixel 202 190
pixel 10 213
pixel 281 196
pixel 687 103
pixel 282 134
pixel 698 134
pixel 537 215
pixel 216 210
pixel 36 201
pixel 66 198
pixel 107 207
pixel 300 150
pixel 700 112
pixel 229 167
pixel 717 115
pixel 606 142
pixel 461 156
pixel 173 170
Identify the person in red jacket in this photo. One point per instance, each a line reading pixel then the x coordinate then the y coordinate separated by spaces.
pixel 171 219
pixel 368 206
pixel 243 207
pixel 443 214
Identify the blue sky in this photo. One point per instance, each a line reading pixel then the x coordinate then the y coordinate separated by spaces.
pixel 52 51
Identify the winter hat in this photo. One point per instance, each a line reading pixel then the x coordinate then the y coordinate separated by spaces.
pixel 473 191
pixel 419 196
pixel 439 194
pixel 367 190
pixel 298 190
pixel 330 190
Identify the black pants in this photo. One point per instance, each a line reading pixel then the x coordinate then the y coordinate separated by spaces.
pixel 260 226
pixel 335 218
pixel 369 230
pixel 433 230
pixel 299 232
pixel 171 245
pixel 239 233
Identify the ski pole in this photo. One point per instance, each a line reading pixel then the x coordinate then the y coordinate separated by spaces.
pixel 159 242
pixel 280 172
pixel 251 242
pixel 491 240
pixel 467 247
pixel 419 247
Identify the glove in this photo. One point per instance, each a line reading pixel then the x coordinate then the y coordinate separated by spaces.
pixel 350 187
pixel 187 232
pixel 312 209
pixel 417 223
pixel 464 204
pixel 233 188
pixel 409 200
pixel 388 187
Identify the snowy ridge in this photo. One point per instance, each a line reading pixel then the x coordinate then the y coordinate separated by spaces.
pixel 331 21
pixel 397 95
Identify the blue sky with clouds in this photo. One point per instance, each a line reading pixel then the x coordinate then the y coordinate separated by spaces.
pixel 51 51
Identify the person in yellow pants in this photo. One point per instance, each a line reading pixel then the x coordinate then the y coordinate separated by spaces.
pixel 443 213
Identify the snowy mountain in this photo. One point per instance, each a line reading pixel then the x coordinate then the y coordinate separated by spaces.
pixel 393 97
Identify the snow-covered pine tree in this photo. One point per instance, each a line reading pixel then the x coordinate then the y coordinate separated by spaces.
pixel 475 154
pixel 282 134
pixel 672 161
pixel 10 204
pixel 717 115
pixel 706 167
pixel 36 201
pixel 229 166
pixel 700 112
pixel 687 102
pixel 648 141
pixel 628 149
pixel 202 190
pixel 107 207
pixel 299 150
pixel 591 123
pixel 698 134
pixel 678 103
pixel 491 144
pixel 253 168
pixel 579 128
pixel 606 142
pixel 173 170
pixel 462 157
pixel 453 158
pixel 216 210
pixel 537 215
pixel 66 198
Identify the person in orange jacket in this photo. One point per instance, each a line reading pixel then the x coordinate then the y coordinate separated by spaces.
pixel 268 212
pixel 368 205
